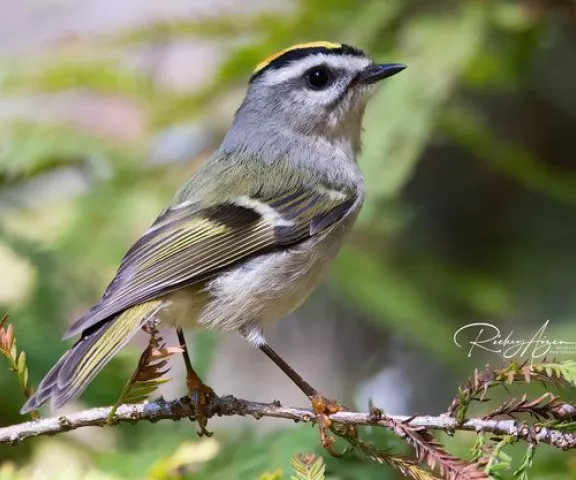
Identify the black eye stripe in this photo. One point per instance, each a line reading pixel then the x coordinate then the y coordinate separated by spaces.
pixel 301 53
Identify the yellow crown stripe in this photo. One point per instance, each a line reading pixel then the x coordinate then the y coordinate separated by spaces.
pixel 300 46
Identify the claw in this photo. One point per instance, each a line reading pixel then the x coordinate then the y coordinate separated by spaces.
pixel 324 407
pixel 200 395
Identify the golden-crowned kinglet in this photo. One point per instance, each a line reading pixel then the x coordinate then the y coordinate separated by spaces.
pixel 251 234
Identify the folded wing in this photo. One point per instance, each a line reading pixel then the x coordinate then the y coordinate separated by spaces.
pixel 190 243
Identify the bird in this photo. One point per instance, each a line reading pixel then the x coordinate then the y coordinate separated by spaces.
pixel 251 234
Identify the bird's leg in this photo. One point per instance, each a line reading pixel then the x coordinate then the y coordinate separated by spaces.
pixel 322 406
pixel 199 392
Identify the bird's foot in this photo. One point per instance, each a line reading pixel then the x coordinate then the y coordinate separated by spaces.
pixel 200 395
pixel 323 408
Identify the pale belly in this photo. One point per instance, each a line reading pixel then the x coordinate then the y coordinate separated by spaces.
pixel 259 291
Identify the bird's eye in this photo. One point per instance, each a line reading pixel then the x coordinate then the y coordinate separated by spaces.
pixel 318 78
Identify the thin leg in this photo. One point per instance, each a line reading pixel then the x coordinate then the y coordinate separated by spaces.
pixel 322 406
pixel 292 374
pixel 186 356
pixel 199 392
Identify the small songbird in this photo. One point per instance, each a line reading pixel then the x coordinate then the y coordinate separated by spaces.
pixel 251 234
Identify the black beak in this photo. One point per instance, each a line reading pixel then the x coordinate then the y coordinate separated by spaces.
pixel 375 73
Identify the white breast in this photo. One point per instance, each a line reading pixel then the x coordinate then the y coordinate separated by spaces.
pixel 270 286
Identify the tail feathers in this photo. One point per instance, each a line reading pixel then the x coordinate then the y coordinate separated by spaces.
pixel 49 388
pixel 79 365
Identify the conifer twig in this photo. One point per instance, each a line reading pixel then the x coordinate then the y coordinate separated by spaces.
pixel 149 372
pixel 16 359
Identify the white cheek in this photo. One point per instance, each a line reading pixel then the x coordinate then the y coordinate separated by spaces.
pixel 316 99
pixel 312 99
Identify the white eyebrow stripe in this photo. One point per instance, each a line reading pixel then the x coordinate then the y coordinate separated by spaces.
pixel 298 67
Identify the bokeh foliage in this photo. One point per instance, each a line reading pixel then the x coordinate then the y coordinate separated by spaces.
pixel 469 215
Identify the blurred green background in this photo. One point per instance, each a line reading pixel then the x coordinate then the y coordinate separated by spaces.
pixel 107 107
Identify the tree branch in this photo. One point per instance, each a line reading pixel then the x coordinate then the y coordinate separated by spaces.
pixel 229 405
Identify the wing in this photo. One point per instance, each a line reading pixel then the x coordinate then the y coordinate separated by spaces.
pixel 189 243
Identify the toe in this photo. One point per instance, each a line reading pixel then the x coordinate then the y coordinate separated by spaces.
pixel 323 408
pixel 200 396
pixel 325 405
